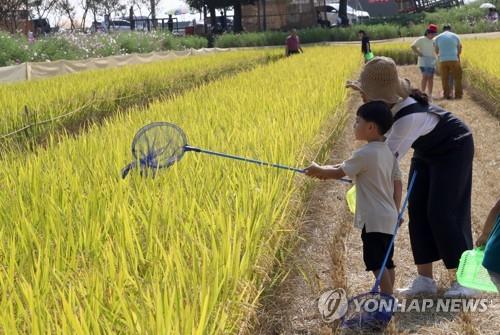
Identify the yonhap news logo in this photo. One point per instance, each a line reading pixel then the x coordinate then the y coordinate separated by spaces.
pixel 333 304
pixel 446 305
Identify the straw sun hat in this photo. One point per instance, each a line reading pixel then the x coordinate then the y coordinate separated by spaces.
pixel 379 80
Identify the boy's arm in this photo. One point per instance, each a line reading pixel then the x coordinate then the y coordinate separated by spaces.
pixel 351 167
pixel 324 172
pixel 488 225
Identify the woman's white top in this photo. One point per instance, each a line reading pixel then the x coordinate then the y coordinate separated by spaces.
pixel 409 128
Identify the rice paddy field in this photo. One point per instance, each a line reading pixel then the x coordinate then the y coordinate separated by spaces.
pixel 86 252
pixel 83 251
pixel 483 72
pixel 65 102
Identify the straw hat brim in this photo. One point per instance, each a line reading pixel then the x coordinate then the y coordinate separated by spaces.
pixel 382 93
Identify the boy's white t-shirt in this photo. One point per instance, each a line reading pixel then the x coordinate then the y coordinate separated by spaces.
pixel 374 169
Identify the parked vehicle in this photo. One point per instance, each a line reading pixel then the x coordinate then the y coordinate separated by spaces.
pixel 119 25
pixel 332 14
pixel 41 26
pixel 114 25
pixel 97 27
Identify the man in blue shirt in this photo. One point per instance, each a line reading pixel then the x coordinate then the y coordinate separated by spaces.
pixel 448 48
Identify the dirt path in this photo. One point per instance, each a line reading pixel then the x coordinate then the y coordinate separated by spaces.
pixel 491 35
pixel 320 259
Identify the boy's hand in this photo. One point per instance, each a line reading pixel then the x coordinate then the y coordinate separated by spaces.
pixel 481 240
pixel 316 171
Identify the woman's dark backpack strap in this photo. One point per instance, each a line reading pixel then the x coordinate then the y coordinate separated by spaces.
pixel 447 134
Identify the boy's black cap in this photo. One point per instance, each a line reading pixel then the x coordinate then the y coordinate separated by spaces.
pixel 377 112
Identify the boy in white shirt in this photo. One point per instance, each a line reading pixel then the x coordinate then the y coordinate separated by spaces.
pixel 376 173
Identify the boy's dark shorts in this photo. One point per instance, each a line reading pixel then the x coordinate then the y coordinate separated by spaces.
pixel 374 248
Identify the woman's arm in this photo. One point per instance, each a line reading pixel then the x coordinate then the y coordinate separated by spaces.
pixel 398 193
pixel 407 130
pixel 398 184
pixel 402 135
pixel 416 51
pixel 488 225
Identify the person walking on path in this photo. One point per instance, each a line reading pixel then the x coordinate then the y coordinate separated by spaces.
pixel 292 44
pixel 448 48
pixel 366 49
pixel 376 173
pixel 423 47
pixel 440 204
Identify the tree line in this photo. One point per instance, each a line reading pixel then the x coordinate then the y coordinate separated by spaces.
pixel 14 12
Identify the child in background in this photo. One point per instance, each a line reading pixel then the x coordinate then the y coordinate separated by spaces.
pixel 376 173
pixel 366 49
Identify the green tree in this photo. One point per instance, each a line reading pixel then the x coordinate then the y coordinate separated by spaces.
pixel 213 5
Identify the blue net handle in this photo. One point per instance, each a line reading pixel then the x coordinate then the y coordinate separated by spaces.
pixel 250 160
pixel 375 287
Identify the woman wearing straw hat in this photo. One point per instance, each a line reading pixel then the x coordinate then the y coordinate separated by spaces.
pixel 439 206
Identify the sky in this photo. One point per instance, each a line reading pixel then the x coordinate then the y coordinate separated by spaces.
pixel 162 10
pixel 164 7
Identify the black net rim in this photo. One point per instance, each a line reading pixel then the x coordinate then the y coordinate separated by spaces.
pixel 150 126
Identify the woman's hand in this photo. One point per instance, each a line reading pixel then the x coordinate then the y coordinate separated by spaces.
pixel 481 240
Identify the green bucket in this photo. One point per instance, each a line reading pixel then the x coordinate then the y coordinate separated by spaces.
pixel 471 272
pixel 369 56
pixel 351 199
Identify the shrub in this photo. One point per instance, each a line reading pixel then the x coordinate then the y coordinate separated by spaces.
pixel 12 50
pixel 54 48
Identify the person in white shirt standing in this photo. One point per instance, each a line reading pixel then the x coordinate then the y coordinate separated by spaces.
pixel 424 48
